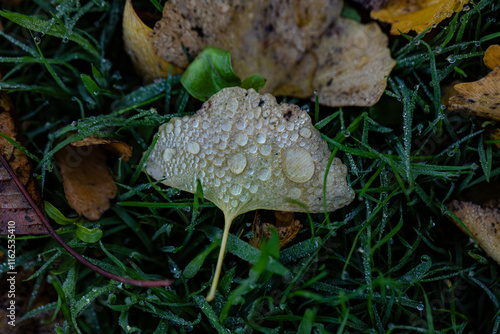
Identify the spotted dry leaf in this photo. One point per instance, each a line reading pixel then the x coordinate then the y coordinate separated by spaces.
pixel 483 221
pixel 480 98
pixel 88 183
pixel 286 226
pixel 13 204
pixel 298 46
pixel 417 15
pixel 492 56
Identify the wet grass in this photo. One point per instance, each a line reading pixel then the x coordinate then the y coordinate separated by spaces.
pixel 390 262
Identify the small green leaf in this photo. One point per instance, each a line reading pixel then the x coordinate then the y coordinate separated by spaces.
pixel 210 72
pixel 254 81
pixel 58 217
pixel 90 84
pixel 88 235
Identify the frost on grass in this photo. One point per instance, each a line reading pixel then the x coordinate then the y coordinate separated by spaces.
pixel 297 46
pixel 249 152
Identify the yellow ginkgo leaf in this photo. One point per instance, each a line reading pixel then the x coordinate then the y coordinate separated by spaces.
pixel 249 153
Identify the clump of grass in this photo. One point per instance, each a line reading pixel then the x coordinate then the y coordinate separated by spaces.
pixel 388 263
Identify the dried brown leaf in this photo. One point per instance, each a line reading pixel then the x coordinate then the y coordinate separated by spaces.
pixel 417 15
pixel 88 182
pixel 483 221
pixel 298 46
pixel 13 205
pixel 480 98
pixel 286 226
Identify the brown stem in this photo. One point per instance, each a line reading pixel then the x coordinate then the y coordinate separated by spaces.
pixel 70 250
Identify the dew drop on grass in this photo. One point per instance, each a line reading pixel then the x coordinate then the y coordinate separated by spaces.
pixel 37 40
pixel 451 59
pixel 345 275
pixel 347 134
pixel 425 258
pixel 65 40
pixel 420 307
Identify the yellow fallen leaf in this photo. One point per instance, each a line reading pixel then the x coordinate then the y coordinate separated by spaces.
pixel 483 222
pixel 417 15
pixel 298 46
pixel 136 36
pixel 492 57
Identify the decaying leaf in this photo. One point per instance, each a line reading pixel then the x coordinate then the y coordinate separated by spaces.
pixel 417 15
pixel 483 221
pixel 13 205
pixel 249 152
pixel 480 98
pixel 492 56
pixel 88 183
pixel 139 48
pixel 298 46
pixel 286 226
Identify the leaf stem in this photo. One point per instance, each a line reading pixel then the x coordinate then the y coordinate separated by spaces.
pixel 218 269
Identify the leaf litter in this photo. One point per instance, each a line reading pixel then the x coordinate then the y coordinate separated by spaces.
pixel 298 47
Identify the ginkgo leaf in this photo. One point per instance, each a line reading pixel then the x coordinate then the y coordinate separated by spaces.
pixel 249 152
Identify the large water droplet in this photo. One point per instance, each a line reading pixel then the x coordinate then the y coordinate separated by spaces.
pixel 241 138
pixel 169 153
pixel 261 138
pixel 294 193
pixel 264 174
pixel 226 126
pixel 237 163
pixel 299 165
pixel 265 150
pixel 235 189
pixel 193 148
pixel 305 132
